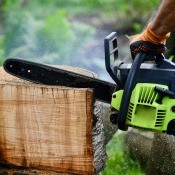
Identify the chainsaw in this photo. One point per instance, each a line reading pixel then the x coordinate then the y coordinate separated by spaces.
pixel 143 95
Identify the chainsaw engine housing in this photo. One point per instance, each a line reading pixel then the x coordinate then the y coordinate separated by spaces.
pixel 148 109
pixel 146 90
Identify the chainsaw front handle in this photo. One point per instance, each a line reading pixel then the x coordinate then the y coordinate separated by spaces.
pixel 129 85
pixel 111 48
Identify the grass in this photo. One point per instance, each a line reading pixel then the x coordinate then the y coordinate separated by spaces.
pixel 119 161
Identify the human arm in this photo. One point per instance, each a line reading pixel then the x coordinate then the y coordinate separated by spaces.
pixel 164 21
pixel 153 38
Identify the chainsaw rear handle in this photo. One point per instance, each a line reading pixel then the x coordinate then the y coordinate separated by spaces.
pixel 110 44
pixel 129 85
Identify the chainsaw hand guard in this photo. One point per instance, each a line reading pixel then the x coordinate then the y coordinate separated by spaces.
pixel 110 46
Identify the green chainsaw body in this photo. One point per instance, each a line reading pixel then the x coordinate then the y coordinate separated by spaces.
pixel 145 108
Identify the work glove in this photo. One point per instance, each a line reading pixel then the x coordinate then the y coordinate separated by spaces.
pixel 148 41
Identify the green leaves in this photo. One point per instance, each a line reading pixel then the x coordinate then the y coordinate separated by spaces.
pixel 119 161
pixel 55 35
pixel 52 39
pixel 55 31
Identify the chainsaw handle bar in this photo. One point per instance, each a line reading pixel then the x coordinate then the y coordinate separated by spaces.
pixel 129 85
pixel 110 46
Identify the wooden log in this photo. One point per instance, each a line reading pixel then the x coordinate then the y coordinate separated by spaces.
pixel 139 144
pixel 49 128
pixel 155 151
pixel 162 159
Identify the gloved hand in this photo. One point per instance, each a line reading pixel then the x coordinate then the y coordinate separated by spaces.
pixel 148 41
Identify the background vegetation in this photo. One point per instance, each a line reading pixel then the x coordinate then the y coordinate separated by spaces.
pixel 66 32
pixel 119 161
pixel 71 32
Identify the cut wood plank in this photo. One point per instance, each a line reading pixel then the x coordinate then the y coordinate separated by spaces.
pixel 45 127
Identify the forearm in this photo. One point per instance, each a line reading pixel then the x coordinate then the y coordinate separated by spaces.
pixel 164 21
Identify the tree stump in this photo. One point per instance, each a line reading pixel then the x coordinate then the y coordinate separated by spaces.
pixel 49 129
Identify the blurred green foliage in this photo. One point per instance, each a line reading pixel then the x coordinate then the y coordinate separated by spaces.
pixel 61 32
pixel 48 37
pixel 119 161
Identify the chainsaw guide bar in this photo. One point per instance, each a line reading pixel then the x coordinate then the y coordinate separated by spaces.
pixel 48 75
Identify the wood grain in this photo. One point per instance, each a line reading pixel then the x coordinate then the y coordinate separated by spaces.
pixel 45 127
